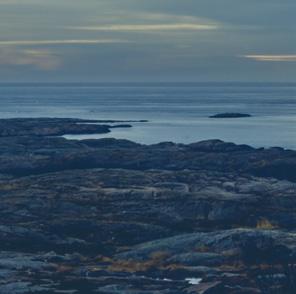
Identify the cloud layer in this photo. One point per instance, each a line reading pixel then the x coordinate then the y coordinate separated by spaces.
pixel 39 59
pixel 59 42
pixel 147 40
pixel 273 58
pixel 151 27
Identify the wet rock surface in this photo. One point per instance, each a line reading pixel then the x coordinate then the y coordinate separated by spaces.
pixel 113 216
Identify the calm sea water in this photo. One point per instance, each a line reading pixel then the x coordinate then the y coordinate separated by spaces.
pixel 176 113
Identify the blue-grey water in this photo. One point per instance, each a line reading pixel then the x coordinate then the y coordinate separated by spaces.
pixel 176 112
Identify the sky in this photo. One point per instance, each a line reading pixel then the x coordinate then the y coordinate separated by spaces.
pixel 147 40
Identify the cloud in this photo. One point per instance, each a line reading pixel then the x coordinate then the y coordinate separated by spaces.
pixel 9 2
pixel 273 58
pixel 19 2
pixel 141 21
pixel 59 42
pixel 40 59
pixel 150 27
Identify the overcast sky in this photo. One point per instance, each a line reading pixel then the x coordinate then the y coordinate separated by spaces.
pixel 147 40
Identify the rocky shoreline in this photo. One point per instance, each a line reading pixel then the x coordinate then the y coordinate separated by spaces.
pixel 114 216
pixel 58 126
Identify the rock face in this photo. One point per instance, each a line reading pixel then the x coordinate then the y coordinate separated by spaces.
pixel 230 115
pixel 113 216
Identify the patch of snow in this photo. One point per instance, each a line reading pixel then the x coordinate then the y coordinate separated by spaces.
pixel 167 280
pixel 193 281
pixel 157 279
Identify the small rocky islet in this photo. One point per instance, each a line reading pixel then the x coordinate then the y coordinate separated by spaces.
pixel 230 115
pixel 113 216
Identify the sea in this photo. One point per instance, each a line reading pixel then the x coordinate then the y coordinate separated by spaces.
pixel 176 112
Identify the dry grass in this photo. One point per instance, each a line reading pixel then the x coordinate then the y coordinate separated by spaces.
pixel 174 267
pixel 202 249
pixel 265 224
pixel 64 269
pixel 8 186
pixel 159 256
pixel 101 258
pixel 130 266
pixel 156 260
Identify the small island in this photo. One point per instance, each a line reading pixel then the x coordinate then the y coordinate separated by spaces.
pixel 231 115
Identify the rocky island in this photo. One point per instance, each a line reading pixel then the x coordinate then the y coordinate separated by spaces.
pixel 113 216
pixel 230 115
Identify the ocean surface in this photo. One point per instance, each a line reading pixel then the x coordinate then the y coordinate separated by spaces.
pixel 176 112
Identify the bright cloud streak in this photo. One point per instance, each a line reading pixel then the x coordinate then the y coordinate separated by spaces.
pixel 150 27
pixel 59 42
pixel 40 59
pixel 278 58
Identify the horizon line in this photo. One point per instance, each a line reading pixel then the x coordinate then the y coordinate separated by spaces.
pixel 142 82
